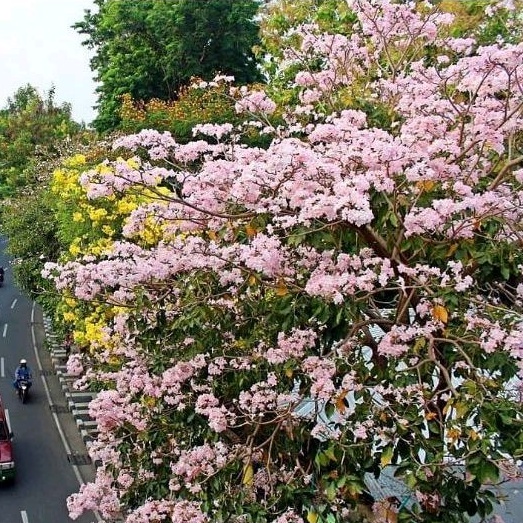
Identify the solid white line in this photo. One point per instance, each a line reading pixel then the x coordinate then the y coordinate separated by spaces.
pixel 8 419
pixel 14 303
pixel 5 330
pixel 25 519
pixel 49 400
pixel 2 367
pixel 54 414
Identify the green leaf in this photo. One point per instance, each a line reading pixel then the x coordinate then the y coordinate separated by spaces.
pixel 331 491
pixel 386 456
pixel 329 452
pixel 484 470
pixel 393 219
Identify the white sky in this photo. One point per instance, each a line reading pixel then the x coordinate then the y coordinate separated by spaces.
pixel 39 47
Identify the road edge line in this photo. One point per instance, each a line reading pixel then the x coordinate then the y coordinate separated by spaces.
pixel 76 470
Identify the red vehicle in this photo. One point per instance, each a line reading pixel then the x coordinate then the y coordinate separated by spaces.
pixel 7 463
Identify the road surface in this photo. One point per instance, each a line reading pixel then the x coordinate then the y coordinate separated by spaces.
pixel 45 476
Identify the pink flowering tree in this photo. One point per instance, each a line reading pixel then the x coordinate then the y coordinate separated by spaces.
pixel 282 324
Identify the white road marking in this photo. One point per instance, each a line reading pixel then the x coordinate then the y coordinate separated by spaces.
pixel 2 367
pixel 14 303
pixel 25 519
pixel 8 419
pixel 55 416
pixel 5 330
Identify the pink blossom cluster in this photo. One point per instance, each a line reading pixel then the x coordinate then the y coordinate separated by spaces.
pixel 289 516
pixel 157 143
pixel 111 409
pixel 74 365
pixel 493 334
pixel 392 20
pixel 219 418
pixel 290 346
pixel 254 102
pixel 261 398
pixel 216 130
pixel 321 371
pixel 198 463
pixel 167 510
pixel 126 174
pixel 98 496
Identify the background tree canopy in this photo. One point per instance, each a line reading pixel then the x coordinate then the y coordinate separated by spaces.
pixel 34 133
pixel 149 49
pixel 30 125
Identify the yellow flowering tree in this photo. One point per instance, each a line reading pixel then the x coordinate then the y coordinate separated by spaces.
pixel 89 228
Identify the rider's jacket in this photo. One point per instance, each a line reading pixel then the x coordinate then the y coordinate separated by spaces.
pixel 22 374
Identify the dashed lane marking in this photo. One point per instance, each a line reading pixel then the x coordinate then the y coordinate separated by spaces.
pixel 8 419
pixel 14 303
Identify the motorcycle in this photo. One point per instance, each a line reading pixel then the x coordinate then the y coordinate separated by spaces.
pixel 23 389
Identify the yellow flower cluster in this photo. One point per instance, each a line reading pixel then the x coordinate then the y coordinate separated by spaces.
pixel 91 329
pixel 65 179
pixel 67 309
pixel 93 225
pixel 101 246
pixel 97 214
pixel 126 205
pixel 98 221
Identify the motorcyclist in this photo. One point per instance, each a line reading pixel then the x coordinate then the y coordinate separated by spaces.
pixel 23 372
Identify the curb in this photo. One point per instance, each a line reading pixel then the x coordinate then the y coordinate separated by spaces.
pixel 77 401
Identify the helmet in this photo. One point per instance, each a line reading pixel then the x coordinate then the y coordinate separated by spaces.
pixel 23 362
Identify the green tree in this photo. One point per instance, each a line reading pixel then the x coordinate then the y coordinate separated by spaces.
pixel 280 17
pixel 34 133
pixel 31 228
pixel 29 220
pixel 31 126
pixel 149 49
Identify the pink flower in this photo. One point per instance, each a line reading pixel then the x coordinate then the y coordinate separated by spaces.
pixel 289 516
pixel 255 102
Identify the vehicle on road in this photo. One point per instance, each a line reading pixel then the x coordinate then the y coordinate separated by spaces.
pixel 23 389
pixel 7 463
pixel 22 382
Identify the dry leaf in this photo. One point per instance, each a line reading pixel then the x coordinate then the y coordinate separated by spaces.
pixel 248 474
pixel 440 313
pixel 250 230
pixel 281 289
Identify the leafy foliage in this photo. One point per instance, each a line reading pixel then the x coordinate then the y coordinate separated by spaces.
pixel 193 106
pixel 30 128
pixel 150 49
pixel 28 222
pixel 200 103
pixel 471 20
pixel 34 133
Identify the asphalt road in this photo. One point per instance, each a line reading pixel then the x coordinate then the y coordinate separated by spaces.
pixel 511 508
pixel 45 475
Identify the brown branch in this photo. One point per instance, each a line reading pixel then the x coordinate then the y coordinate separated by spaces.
pixel 497 180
